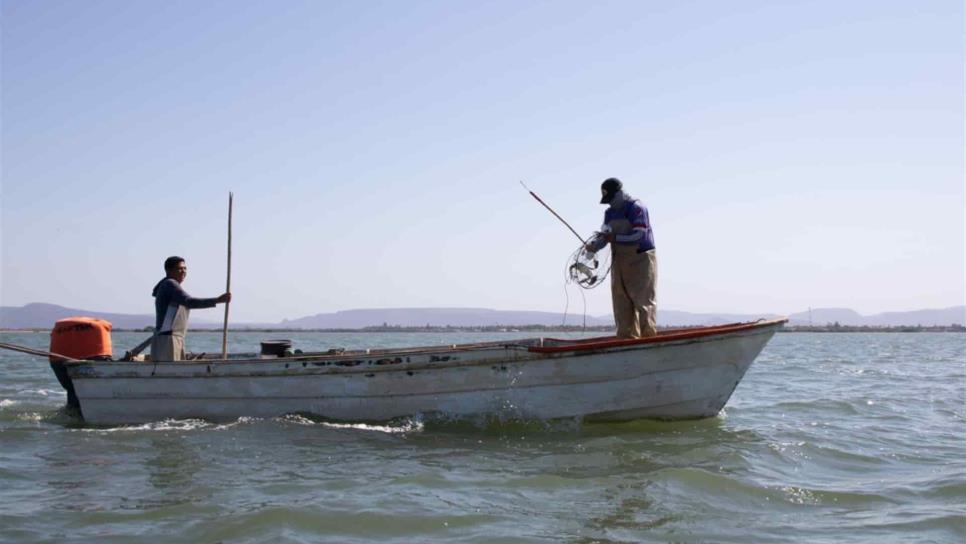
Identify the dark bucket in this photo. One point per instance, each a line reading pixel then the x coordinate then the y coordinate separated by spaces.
pixel 276 348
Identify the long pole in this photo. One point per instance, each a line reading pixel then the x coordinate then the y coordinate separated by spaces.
pixel 31 351
pixel 534 195
pixel 129 355
pixel 224 336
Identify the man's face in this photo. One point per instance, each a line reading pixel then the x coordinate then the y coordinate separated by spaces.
pixel 178 272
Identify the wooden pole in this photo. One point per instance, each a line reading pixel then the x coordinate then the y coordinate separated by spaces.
pixel 130 355
pixel 31 351
pixel 555 214
pixel 224 336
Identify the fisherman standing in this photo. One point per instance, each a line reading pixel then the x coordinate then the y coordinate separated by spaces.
pixel 627 228
pixel 171 305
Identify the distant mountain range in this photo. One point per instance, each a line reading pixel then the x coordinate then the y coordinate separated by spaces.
pixel 954 315
pixel 38 315
pixel 418 317
pixel 42 316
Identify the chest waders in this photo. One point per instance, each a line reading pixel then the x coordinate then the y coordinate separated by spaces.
pixel 633 278
pixel 168 345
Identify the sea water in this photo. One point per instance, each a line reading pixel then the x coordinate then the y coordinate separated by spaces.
pixel 847 437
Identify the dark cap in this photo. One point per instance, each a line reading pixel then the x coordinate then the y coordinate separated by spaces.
pixel 608 189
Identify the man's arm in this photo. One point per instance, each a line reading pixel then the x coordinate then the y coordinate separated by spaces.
pixel 597 243
pixel 180 296
pixel 634 236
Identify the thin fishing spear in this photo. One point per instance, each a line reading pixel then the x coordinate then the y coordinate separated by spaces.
pixel 534 195
pixel 224 336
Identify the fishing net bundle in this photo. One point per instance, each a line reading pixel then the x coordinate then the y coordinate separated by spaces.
pixel 588 269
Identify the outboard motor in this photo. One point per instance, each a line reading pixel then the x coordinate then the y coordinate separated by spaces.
pixel 86 338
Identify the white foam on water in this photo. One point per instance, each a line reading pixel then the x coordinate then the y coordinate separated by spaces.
pixel 410 425
pixel 239 421
pixel 45 392
pixel 799 495
pixel 6 403
pixel 407 427
pixel 298 420
pixel 165 425
pixel 174 425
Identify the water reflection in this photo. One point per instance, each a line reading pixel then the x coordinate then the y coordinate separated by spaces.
pixel 173 468
pixel 73 472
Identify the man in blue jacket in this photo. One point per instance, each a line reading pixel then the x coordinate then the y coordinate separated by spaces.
pixel 627 228
pixel 171 309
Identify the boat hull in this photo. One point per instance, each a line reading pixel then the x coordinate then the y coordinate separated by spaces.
pixel 681 377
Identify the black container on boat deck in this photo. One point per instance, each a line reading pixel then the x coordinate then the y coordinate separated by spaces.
pixel 276 348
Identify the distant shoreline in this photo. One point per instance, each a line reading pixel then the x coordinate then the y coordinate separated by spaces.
pixel 835 327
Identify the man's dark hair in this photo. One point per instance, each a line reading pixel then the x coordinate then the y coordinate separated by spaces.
pixel 172 262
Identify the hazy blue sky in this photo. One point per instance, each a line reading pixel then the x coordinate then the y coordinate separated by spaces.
pixel 792 154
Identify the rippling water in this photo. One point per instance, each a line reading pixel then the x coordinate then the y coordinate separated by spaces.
pixel 830 438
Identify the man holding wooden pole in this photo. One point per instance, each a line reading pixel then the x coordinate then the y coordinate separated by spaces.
pixel 172 305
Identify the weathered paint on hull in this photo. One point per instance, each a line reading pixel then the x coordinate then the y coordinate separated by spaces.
pixel 690 378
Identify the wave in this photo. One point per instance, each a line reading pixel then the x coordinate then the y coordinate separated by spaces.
pixel 32 417
pixel 407 425
pixel 403 426
pixel 339 524
pixel 727 489
pixel 947 524
pixel 164 425
pixel 842 407
pixel 59 393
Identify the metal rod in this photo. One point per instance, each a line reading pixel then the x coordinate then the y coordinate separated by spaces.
pixel 534 195
pixel 224 336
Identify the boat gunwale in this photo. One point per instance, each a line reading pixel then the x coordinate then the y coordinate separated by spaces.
pixel 332 367
pixel 605 342
pixel 594 343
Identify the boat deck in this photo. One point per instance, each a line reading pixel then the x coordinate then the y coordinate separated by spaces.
pixel 537 345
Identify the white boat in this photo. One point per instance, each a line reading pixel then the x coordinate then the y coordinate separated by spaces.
pixel 679 374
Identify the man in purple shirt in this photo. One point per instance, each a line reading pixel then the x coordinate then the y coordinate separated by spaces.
pixel 171 308
pixel 627 228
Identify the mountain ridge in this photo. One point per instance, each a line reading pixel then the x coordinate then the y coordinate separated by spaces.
pixel 39 315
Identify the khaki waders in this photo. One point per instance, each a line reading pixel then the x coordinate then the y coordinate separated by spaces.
pixel 633 277
pixel 169 345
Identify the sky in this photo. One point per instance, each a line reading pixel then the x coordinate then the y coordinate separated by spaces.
pixel 791 154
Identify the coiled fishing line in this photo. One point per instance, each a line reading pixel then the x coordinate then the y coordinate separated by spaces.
pixel 587 270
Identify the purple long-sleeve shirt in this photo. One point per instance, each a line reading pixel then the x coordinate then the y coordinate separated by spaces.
pixel 636 214
pixel 169 294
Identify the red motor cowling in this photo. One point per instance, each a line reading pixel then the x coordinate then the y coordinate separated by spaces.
pixel 82 338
